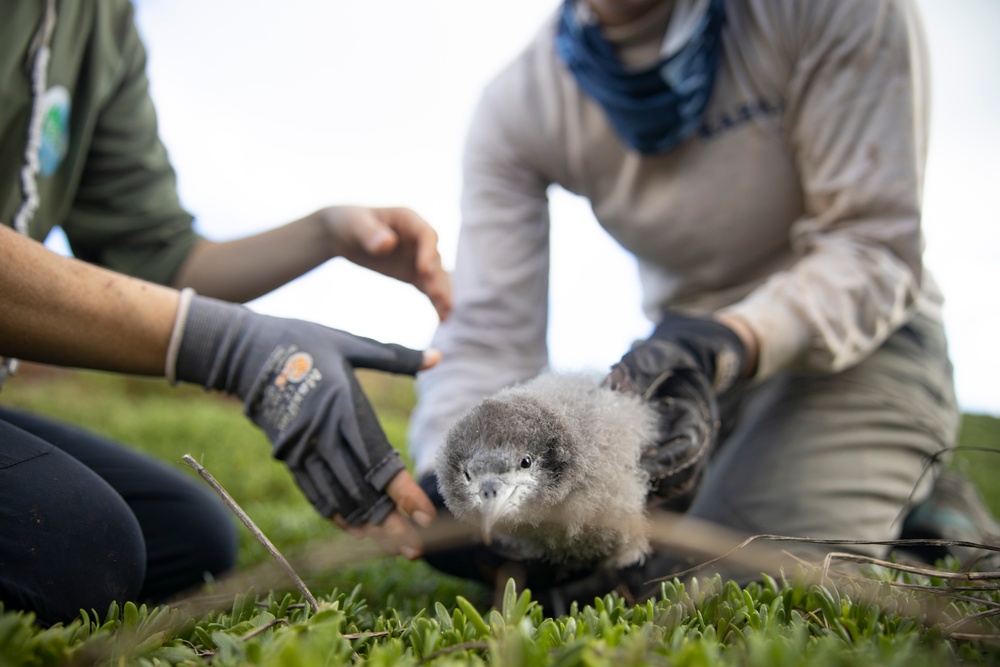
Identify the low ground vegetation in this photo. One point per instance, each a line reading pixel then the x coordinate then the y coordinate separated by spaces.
pixel 387 611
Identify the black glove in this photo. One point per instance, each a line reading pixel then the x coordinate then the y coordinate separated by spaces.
pixel 297 382
pixel 681 368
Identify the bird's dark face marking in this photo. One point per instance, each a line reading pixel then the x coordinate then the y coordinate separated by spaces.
pixel 503 458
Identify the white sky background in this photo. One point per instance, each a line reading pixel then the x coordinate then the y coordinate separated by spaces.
pixel 272 110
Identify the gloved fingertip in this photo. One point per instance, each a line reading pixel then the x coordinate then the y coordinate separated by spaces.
pixel 422 519
pixel 430 359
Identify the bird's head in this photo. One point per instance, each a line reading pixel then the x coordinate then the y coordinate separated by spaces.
pixel 506 460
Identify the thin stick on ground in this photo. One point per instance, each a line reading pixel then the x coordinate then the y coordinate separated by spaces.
pixel 912 569
pixel 257 532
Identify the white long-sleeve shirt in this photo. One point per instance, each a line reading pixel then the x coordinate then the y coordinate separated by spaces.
pixel 797 207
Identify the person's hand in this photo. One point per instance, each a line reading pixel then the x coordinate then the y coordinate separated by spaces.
pixel 395 242
pixel 681 368
pixel 297 382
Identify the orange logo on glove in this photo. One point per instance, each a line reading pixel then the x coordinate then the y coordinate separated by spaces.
pixel 295 370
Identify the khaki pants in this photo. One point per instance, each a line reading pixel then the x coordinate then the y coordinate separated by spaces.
pixel 836 456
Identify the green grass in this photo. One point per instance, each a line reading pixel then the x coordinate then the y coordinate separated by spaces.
pixel 979 433
pixel 393 612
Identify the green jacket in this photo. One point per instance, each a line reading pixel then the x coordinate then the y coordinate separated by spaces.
pixel 106 179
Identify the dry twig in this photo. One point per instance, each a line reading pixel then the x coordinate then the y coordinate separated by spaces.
pixel 257 532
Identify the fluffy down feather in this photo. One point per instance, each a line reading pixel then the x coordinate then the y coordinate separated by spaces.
pixel 550 469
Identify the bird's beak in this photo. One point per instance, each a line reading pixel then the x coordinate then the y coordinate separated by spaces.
pixel 495 495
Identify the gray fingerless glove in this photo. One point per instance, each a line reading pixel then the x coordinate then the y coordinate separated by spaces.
pixel 297 382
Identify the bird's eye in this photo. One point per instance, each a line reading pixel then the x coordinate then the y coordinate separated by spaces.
pixel 526 462
pixel 468 477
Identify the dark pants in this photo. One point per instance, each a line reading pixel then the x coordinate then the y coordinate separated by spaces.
pixel 85 521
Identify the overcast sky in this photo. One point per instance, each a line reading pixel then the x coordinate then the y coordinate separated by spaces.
pixel 271 110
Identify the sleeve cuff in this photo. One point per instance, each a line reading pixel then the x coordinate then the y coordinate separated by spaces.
pixel 782 337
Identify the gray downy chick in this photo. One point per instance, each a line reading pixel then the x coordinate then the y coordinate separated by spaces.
pixel 550 469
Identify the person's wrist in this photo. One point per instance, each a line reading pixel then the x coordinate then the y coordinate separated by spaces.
pixel 184 298
pixel 328 222
pixel 746 334
pixel 213 350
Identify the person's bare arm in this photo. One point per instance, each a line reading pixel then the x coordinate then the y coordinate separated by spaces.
pixel 62 311
pixel 393 241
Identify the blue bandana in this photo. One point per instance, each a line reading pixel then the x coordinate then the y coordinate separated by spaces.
pixel 655 108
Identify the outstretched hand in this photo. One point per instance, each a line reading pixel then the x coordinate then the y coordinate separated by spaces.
pixel 396 242
pixel 297 382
